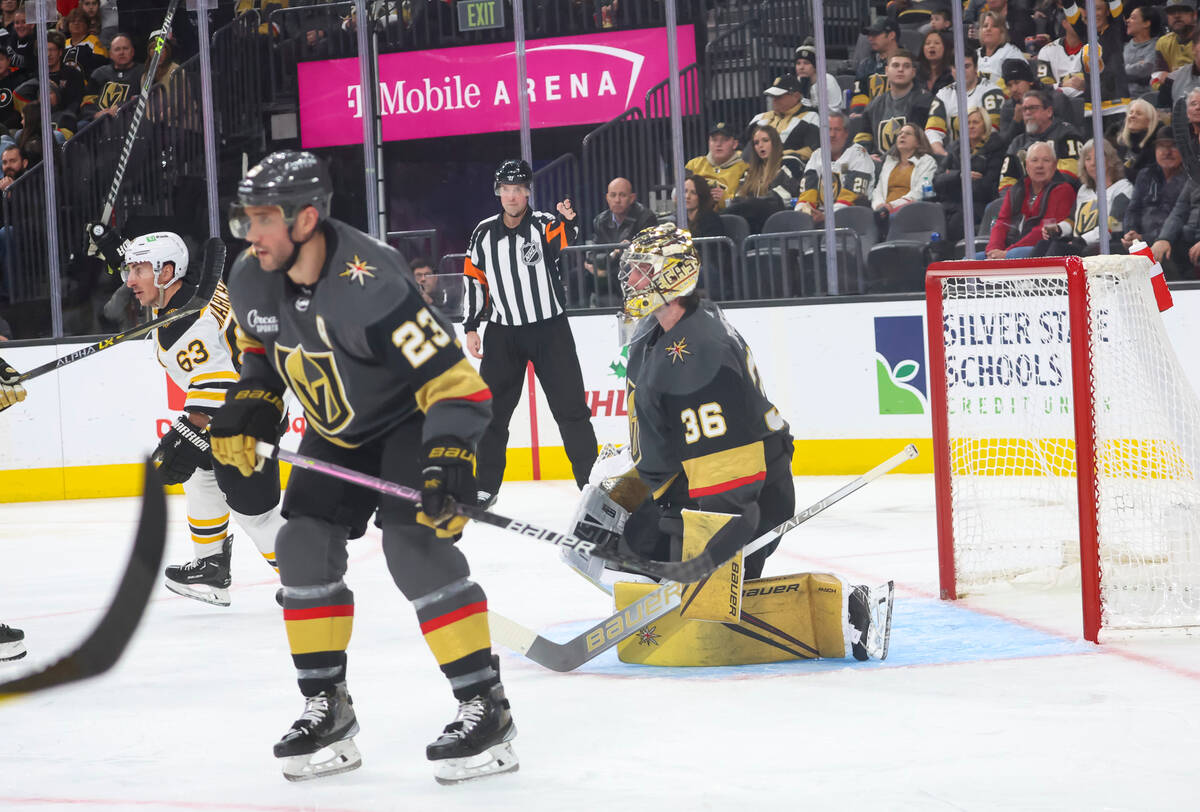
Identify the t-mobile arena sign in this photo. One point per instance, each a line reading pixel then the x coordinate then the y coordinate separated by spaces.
pixel 457 91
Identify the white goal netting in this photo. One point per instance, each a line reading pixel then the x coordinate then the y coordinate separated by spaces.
pixel 1011 433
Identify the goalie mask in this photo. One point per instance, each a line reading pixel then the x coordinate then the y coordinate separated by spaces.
pixel 658 267
pixel 158 249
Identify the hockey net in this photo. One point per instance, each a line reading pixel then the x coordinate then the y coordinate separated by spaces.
pixel 1017 391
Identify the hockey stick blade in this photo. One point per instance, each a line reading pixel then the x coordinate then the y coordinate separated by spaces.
pixel 103 647
pixel 650 607
pixel 693 569
pixel 206 286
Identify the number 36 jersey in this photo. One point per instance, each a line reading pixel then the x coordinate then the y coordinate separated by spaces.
pixel 698 415
pixel 359 349
pixel 197 351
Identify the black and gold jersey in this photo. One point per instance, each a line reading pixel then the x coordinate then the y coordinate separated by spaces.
pixel 1067 147
pixel 360 349
pixel 698 414
pixel 886 114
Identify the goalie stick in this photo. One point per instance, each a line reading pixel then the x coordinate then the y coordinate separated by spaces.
pixel 650 607
pixel 693 569
pixel 102 648
pixel 135 123
pixel 210 277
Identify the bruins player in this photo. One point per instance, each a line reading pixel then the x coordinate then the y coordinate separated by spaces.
pixel 326 310
pixel 197 354
pixel 703 435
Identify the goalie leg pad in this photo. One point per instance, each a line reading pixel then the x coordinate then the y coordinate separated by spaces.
pixel 597 518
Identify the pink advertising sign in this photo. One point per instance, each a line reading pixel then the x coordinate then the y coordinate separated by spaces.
pixel 457 91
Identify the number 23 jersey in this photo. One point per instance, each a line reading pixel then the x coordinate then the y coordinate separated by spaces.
pixel 698 415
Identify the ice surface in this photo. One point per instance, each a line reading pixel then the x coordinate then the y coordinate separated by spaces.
pixel 991 703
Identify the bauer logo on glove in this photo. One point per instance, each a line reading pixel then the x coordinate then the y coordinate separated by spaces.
pixel 447 478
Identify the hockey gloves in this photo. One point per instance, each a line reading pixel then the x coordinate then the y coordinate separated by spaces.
pixel 447 478
pixel 109 244
pixel 182 450
pixel 11 392
pixel 251 413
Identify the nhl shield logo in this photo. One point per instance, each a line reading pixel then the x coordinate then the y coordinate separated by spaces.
pixel 531 253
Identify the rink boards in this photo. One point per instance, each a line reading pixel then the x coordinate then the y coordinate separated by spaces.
pixel 850 378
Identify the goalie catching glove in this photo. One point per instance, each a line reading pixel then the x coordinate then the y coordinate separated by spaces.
pixel 182 450
pixel 251 413
pixel 11 392
pixel 447 479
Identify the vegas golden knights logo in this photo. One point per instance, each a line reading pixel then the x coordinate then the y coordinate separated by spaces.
pixel 888 130
pixel 314 378
pixel 114 93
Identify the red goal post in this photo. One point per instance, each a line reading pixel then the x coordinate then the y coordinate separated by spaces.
pixel 1042 374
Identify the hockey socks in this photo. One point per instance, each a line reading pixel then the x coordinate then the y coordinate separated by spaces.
pixel 454 621
pixel 319 620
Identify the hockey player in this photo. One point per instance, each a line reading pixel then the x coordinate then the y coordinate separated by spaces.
pixel 335 315
pixel 11 392
pixel 197 354
pixel 703 435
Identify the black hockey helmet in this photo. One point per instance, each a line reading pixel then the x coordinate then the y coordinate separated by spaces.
pixel 288 179
pixel 514 171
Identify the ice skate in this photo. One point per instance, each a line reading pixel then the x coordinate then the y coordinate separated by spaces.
pixel 12 643
pixel 870 613
pixel 321 741
pixel 478 742
pixel 204 579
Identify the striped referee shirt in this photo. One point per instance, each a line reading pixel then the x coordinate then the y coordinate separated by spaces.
pixel 514 273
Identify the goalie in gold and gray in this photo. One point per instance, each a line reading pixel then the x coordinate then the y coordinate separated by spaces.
pixel 709 457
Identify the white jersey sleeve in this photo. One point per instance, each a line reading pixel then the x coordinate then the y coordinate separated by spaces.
pixel 197 353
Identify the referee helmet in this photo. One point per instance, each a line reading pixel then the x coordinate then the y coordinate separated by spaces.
pixel 514 172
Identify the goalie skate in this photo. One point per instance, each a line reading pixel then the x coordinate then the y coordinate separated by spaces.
pixel 870 613
pixel 204 579
pixel 12 643
pixel 478 743
pixel 321 741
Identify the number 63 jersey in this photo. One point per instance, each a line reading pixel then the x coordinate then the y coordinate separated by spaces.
pixel 698 415
pixel 359 349
pixel 197 352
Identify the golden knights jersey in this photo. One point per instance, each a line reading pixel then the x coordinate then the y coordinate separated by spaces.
pixel 1086 221
pixel 1067 147
pixel 724 176
pixel 360 349
pixel 698 415
pixel 943 115
pixel 198 352
pixel 799 129
pixel 885 115
pixel 853 178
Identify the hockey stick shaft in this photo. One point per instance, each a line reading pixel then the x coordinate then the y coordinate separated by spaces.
pixel 101 649
pixel 612 630
pixel 214 262
pixel 692 569
pixel 139 112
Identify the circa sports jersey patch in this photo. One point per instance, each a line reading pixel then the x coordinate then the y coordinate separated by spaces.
pixel 531 253
pixel 677 350
pixel 358 270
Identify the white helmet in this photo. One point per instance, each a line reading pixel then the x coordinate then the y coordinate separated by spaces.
pixel 158 249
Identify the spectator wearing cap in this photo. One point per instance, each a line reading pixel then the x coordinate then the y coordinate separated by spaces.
pixel 806 72
pixel 1143 26
pixel 902 103
pixel 1155 191
pixel 798 125
pixel 870 76
pixel 1019 80
pixel 1041 126
pixel 1110 36
pixel 1180 82
pixel 722 166
pixel 1174 47
pixel 994 44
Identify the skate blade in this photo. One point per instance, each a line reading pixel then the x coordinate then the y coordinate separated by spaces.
pixel 339 757
pixel 216 596
pixel 12 651
pixel 496 760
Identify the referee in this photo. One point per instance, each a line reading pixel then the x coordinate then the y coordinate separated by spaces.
pixel 517 288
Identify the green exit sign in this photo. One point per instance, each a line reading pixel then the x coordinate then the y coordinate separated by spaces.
pixel 476 15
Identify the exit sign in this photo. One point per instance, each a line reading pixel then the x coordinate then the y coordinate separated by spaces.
pixel 476 15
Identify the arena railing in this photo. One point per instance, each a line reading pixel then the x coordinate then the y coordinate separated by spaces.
pixel 557 180
pixel 417 242
pixel 623 148
pixel 658 113
pixel 792 264
pixel 241 67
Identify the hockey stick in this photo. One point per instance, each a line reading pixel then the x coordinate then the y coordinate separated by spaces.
pixel 693 569
pixel 136 123
pixel 1186 140
pixel 622 624
pixel 210 277
pixel 97 653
